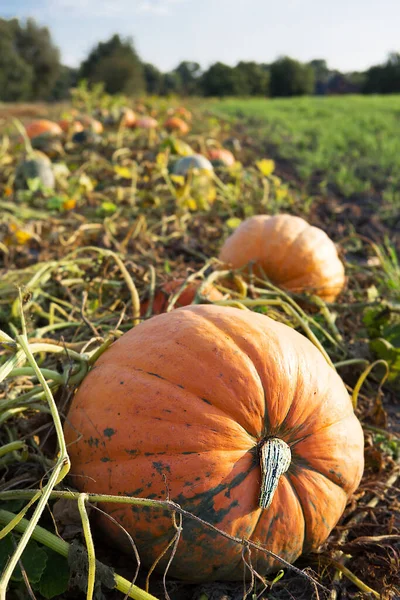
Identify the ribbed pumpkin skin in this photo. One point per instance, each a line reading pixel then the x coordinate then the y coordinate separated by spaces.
pixel 292 253
pixel 182 402
pixel 186 297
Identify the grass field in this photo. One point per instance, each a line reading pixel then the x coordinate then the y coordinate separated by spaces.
pixel 83 260
pixel 350 143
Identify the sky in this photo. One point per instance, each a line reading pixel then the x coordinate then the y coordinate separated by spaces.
pixel 350 34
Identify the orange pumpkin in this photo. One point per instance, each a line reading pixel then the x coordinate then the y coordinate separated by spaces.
pixel 43 127
pixel 176 124
pixel 292 253
pixel 186 297
pixel 221 155
pixel 191 403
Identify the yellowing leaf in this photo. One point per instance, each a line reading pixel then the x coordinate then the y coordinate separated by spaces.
pixel 191 204
pixel 212 194
pixel 178 179
pixel 123 172
pixel 162 159
pixel 281 193
pixel 22 237
pixel 86 182
pixel 266 166
pixel 233 222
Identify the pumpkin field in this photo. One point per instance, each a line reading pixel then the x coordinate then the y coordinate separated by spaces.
pixel 200 348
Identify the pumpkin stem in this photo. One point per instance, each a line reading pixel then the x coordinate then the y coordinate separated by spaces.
pixel 275 458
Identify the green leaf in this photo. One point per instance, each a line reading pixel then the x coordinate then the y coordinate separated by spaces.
pixel 107 208
pixel 55 578
pixel 55 203
pixel 33 559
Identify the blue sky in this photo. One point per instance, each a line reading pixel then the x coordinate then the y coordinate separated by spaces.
pixel 350 34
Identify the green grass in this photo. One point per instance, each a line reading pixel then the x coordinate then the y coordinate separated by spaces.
pixel 351 143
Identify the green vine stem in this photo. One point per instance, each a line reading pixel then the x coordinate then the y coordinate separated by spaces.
pixel 57 544
pixel 363 377
pixel 89 545
pixel 166 505
pixel 11 447
pixel 128 279
pixel 61 468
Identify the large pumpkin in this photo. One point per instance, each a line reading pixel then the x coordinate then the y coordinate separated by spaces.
pixel 292 253
pixel 188 404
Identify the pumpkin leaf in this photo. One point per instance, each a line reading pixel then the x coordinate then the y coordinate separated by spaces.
pixel 386 351
pixel 49 585
pixel 34 559
pixel 266 166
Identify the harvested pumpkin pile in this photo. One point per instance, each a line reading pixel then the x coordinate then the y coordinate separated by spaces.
pixel 199 369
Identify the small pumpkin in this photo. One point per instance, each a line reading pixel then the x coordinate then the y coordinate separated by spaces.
pixel 292 253
pixel 146 123
pixel 176 124
pixel 186 297
pixel 221 157
pixel 194 162
pixel 91 124
pixel 68 125
pixel 128 117
pixel 239 417
pixel 43 127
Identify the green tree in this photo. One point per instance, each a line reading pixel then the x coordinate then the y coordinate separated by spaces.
pixel 67 79
pixel 385 78
pixel 252 78
pixel 116 64
pixel 171 84
pixel 221 80
pixel 153 79
pixel 16 76
pixel 189 73
pixel 29 61
pixel 290 77
pixel 35 47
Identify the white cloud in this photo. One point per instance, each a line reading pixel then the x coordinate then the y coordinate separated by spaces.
pixel 111 8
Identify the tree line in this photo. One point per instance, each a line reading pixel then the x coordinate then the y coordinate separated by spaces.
pixel 30 69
